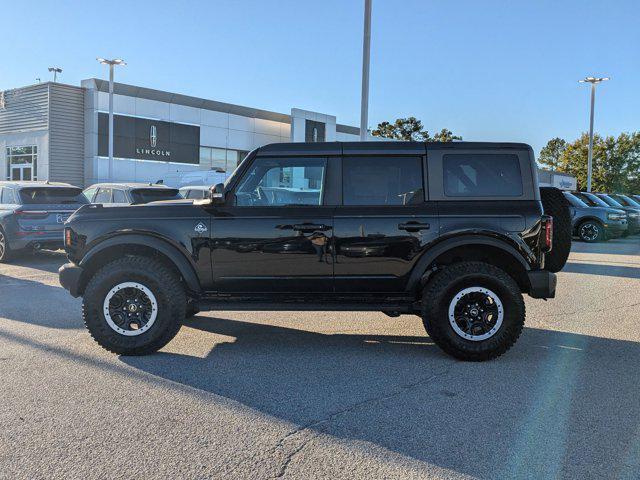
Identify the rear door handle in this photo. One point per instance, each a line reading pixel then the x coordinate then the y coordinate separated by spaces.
pixel 413 226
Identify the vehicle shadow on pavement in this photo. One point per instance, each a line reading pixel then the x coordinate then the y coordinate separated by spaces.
pixel 558 405
pixel 604 269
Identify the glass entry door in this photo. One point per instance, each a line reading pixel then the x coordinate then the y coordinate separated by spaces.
pixel 20 172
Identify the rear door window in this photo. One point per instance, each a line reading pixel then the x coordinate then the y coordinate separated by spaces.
pixel 481 175
pixel 388 180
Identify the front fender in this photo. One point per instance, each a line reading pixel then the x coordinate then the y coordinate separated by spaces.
pixel 178 258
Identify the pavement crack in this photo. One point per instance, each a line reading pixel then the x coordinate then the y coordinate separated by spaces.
pixel 331 416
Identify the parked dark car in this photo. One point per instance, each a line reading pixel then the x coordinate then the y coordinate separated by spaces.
pixel 32 214
pixel 595 223
pixel 129 193
pixel 454 233
pixel 633 212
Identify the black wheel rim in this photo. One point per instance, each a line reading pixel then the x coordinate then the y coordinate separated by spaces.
pixel 130 308
pixel 476 313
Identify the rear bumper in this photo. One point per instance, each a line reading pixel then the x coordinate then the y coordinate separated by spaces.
pixel 53 240
pixel 69 275
pixel 543 284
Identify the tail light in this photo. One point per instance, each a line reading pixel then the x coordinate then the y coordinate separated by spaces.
pixel 547 228
pixel 31 214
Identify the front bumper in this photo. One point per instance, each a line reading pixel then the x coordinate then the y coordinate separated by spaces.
pixel 543 284
pixel 616 229
pixel 70 275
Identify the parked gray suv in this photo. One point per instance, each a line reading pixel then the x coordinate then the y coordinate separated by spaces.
pixel 32 214
pixel 595 223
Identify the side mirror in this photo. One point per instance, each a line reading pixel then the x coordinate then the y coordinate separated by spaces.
pixel 216 196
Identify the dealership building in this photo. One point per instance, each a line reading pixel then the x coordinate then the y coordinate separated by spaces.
pixel 57 132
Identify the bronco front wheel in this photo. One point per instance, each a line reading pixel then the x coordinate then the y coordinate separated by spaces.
pixel 473 310
pixel 134 305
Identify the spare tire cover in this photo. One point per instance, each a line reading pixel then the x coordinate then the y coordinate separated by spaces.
pixel 556 205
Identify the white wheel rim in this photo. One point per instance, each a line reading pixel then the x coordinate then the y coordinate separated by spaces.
pixel 124 331
pixel 498 308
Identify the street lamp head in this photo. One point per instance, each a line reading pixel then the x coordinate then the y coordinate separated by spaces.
pixel 594 80
pixel 115 61
pixel 55 69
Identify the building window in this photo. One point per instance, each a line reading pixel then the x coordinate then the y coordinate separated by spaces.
pixel 22 163
pixel 221 158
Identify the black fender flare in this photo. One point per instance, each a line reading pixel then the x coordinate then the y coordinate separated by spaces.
pixel 427 259
pixel 178 258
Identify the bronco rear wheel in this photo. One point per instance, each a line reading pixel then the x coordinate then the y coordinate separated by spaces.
pixel 134 305
pixel 473 311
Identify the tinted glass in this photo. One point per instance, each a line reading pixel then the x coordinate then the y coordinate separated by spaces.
pixel 119 197
pixel 574 201
pixel 591 199
pixel 282 182
pixel 52 196
pixel 89 193
pixel 609 201
pixel 103 196
pixel 142 195
pixel 482 175
pixel 629 202
pixel 196 194
pixel 382 180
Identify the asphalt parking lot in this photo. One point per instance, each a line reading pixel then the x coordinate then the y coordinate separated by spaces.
pixel 325 395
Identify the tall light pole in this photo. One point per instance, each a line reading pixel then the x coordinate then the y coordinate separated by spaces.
pixel 593 81
pixel 112 64
pixel 366 57
pixel 56 71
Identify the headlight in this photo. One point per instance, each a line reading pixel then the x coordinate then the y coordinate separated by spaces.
pixel 617 216
pixel 633 214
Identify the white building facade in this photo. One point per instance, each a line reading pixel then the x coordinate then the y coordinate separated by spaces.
pixel 59 132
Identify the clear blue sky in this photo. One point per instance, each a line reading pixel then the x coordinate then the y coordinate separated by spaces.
pixel 488 70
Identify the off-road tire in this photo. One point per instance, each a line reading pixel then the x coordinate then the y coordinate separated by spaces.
pixel 597 225
pixel 5 252
pixel 556 205
pixel 157 277
pixel 439 293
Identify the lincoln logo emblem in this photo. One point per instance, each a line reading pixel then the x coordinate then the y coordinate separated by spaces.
pixel 153 136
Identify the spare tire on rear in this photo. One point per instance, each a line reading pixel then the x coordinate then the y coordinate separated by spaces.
pixel 556 205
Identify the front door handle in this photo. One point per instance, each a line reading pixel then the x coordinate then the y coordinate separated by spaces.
pixel 413 226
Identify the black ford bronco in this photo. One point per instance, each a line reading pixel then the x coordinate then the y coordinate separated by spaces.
pixel 452 232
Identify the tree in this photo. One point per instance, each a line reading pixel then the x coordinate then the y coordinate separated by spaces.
pixel 616 161
pixel 410 129
pixel 551 153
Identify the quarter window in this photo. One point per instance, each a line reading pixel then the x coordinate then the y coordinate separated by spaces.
pixel 382 180
pixel 482 175
pixel 119 197
pixel 283 182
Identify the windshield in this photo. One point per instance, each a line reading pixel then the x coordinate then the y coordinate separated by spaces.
pixel 590 199
pixel 52 196
pixel 142 195
pixel 610 201
pixel 630 201
pixel 574 201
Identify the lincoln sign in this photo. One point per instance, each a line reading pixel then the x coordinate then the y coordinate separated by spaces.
pixel 143 139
